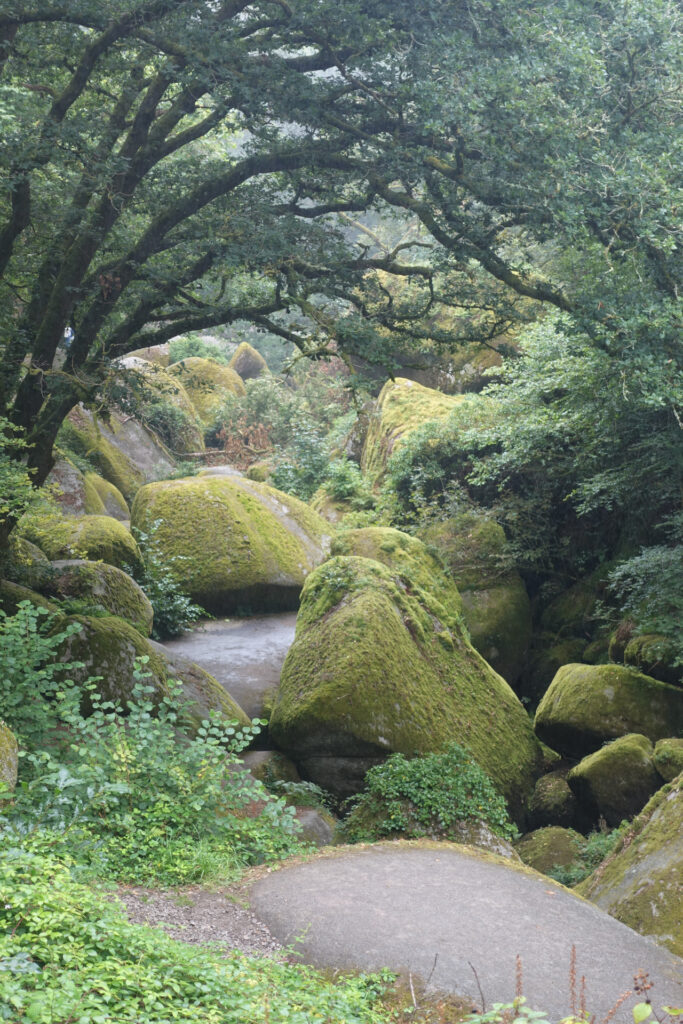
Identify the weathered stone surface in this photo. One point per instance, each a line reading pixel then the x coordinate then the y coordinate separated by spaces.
pixel 208 384
pixel 552 802
pixel 106 496
pixel 9 758
pixel 105 585
pixel 94 538
pixel 402 406
pixel 546 848
pixel 641 882
pixel 379 665
pixel 586 705
pixel 616 781
pixel 235 542
pixel 247 362
pixel 668 758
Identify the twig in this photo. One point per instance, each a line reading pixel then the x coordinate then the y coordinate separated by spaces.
pixel 481 994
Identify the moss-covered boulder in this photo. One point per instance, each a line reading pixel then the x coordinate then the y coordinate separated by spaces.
pixel 403 554
pixel 641 881
pixel 616 781
pixel 668 758
pixel 12 594
pixel 587 705
pixel 402 406
pixel 105 495
pixel 331 509
pixel 68 489
pixel 546 848
pixel 153 354
pixel 247 362
pixel 208 384
pixel 25 563
pixel 496 607
pixel 93 538
pixel 379 665
pixel 108 648
pixel 237 543
pixel 122 450
pixel 654 655
pixel 106 586
pixel 547 655
pixel 9 759
pixel 552 802
pixel 166 407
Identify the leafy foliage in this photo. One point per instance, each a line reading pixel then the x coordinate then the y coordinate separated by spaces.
pixel 426 795
pixel 174 612
pixel 594 849
pixel 67 953
pixel 191 345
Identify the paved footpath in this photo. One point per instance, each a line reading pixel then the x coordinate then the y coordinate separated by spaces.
pixel 400 905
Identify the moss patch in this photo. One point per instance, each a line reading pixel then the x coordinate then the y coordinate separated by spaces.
pixel 93 538
pixel 233 541
pixel 107 586
pixel 668 758
pixel 107 496
pixel 9 758
pixel 207 384
pixel 641 882
pixel 402 406
pixel 616 781
pixel 586 705
pixel 376 669
pixel 547 847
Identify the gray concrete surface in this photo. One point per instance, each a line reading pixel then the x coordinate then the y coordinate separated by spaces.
pixel 401 906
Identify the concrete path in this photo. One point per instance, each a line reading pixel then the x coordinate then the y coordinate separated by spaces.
pixel 244 655
pixel 402 905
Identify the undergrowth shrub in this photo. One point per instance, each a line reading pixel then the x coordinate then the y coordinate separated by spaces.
pixel 188 346
pixel 68 955
pixel 174 611
pixel 425 796
pixel 594 849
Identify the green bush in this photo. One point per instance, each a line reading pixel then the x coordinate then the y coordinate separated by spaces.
pixel 171 424
pixel 174 612
pixel 596 847
pixel 303 464
pixel 345 482
pixel 69 955
pixel 425 796
pixel 188 346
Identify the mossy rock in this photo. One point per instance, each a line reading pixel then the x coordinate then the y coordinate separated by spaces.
pixel 207 383
pixel 588 705
pixel 406 555
pixel 655 656
pixel 496 608
pixel 93 538
pixel 200 689
pixel 616 781
pixel 122 450
pixel 105 495
pixel 153 354
pixel 379 665
pixel 550 847
pixel 259 471
pixel 70 492
pixel 572 610
pixel 331 509
pixel 247 362
pixel 107 586
pixel 12 594
pixel 9 759
pixel 25 563
pixel 596 652
pixel 620 639
pixel 235 543
pixel 641 881
pixel 546 657
pixel 668 758
pixel 402 407
pixel 157 387
pixel 552 802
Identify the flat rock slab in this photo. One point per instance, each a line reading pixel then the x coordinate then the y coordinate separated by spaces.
pixel 401 905
pixel 244 655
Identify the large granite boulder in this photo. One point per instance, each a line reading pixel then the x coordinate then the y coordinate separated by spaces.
pixel 234 542
pixel 94 538
pixel 121 450
pixel 587 705
pixel 247 362
pixel 108 647
pixel 110 588
pixel 77 493
pixel 402 407
pixel 9 759
pixel 496 607
pixel 616 781
pixel 550 847
pixel 552 802
pixel 641 882
pixel 379 665
pixel 207 383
